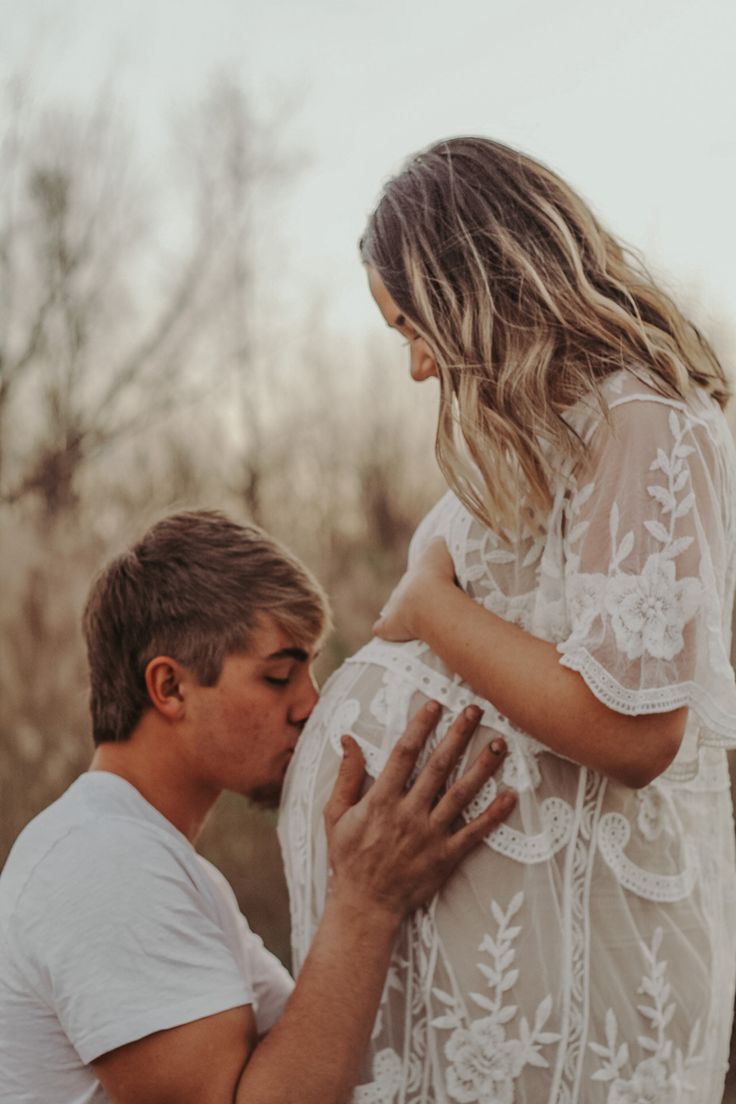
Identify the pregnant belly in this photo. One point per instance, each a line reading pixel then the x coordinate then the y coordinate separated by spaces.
pixel 371 697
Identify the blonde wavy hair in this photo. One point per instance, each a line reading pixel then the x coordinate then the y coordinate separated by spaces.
pixel 527 304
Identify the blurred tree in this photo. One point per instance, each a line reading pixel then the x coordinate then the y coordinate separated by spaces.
pixel 81 332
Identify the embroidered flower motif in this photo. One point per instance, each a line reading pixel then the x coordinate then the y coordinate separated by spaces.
pixel 649 1085
pixel 386 1080
pixel 483 1068
pixel 585 602
pixel 649 611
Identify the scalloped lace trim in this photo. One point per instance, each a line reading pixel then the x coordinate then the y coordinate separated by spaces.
pixel 718 725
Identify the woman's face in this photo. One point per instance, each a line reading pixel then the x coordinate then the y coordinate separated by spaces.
pixel 422 364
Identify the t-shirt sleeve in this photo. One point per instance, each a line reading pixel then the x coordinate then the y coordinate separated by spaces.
pixel 119 939
pixel 648 567
pixel 271 981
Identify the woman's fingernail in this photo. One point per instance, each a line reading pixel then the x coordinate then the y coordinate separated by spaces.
pixel 433 707
pixel 507 800
pixel 472 713
pixel 344 743
pixel 498 747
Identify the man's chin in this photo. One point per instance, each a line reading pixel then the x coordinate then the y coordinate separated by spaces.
pixel 266 797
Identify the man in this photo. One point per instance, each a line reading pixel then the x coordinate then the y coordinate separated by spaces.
pixel 127 973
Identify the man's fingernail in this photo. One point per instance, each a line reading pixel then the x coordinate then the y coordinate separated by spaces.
pixel 433 707
pixel 498 747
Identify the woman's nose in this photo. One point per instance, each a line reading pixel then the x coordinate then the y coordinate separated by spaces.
pixel 423 364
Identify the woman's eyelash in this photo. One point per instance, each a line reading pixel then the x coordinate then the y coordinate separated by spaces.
pixel 276 681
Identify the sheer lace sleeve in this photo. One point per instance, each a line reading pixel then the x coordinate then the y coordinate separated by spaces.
pixel 649 563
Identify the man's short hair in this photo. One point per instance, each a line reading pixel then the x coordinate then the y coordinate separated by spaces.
pixel 194 588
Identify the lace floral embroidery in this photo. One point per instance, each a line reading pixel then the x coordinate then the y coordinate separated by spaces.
pixel 387 1078
pixel 662 1077
pixel 649 611
pixel 483 1062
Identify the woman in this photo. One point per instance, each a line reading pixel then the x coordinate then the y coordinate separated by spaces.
pixel 577 582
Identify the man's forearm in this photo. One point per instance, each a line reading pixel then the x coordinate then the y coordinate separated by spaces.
pixel 314 1053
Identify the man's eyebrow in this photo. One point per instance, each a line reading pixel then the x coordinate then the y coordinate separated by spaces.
pixel 290 653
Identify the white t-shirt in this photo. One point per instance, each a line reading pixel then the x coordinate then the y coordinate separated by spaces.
pixel 113 927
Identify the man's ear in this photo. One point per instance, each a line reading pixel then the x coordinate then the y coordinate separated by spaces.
pixel 164 678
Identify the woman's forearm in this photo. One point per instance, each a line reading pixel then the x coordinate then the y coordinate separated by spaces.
pixel 523 678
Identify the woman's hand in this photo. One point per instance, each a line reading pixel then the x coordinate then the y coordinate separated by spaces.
pixel 432 568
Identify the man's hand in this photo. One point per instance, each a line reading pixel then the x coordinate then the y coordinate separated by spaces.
pixel 394 848
pixel 432 568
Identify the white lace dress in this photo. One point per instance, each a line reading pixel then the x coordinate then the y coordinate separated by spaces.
pixel 586 952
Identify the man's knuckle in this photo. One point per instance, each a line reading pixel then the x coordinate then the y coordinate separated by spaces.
pixel 462 792
pixel 440 763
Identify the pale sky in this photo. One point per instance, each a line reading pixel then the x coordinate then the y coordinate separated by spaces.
pixel 634 102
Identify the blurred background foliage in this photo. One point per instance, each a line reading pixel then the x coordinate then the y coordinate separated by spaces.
pixel 139 376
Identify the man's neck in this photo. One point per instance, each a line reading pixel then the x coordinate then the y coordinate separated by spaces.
pixel 146 763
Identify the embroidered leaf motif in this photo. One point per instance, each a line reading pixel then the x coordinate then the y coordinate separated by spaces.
pixel 487 944
pixel 578 532
pixel 448 1021
pixel 534 552
pixel 509 980
pixel 582 496
pixel 677 547
pixel 489 973
pixel 663 496
pixel 685 506
pixel 543 1012
pixel 500 556
pixel 681 480
pixel 662 462
pixel 658 531
pixel 506 959
pixel 498 915
pixel 604 1074
pixel 514 905
pixel 443 998
pixel 613 523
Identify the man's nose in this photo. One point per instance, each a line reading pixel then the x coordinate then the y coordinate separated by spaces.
pixel 307 701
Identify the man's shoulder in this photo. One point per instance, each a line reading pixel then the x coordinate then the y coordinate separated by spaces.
pixel 96 832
